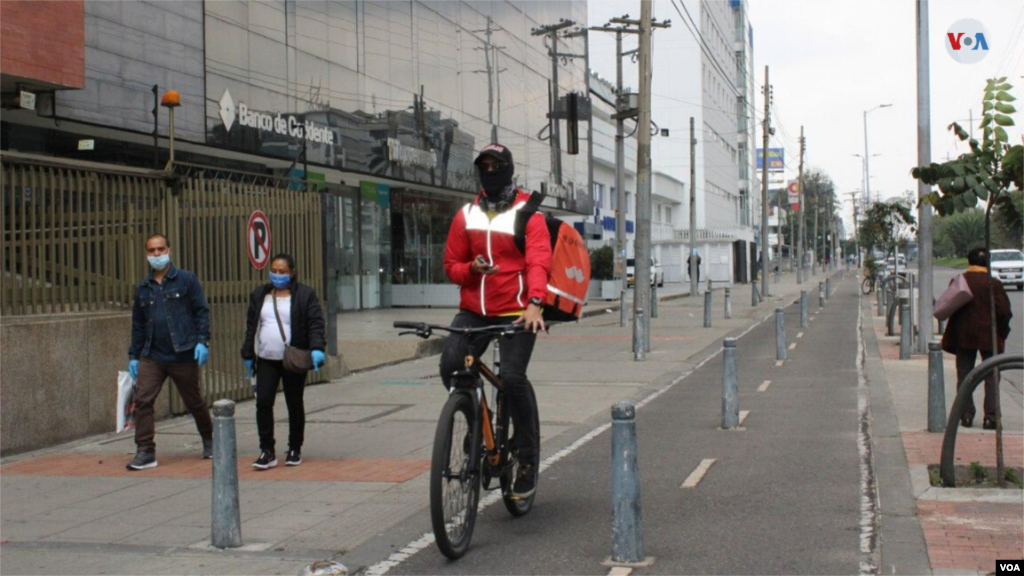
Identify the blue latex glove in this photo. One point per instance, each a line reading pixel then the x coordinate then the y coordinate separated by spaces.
pixel 133 368
pixel 201 354
pixel 249 365
pixel 319 359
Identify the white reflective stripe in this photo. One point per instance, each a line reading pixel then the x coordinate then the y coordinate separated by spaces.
pixel 519 297
pixel 476 219
pixel 565 295
pixel 504 223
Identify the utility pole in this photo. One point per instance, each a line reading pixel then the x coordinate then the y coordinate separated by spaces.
pixel 621 112
pixel 693 211
pixel 766 128
pixel 924 209
pixel 856 242
pixel 800 214
pixel 814 240
pixel 625 25
pixel 642 253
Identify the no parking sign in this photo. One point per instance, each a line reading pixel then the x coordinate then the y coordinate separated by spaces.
pixel 258 240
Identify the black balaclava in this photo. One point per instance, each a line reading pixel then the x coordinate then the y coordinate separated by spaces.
pixel 499 189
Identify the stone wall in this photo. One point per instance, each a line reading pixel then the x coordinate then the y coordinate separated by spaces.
pixel 58 378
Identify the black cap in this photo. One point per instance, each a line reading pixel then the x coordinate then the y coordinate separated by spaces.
pixel 495 151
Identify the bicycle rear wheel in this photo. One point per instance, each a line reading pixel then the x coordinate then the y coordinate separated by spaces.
pixel 867 286
pixel 454 490
pixel 517 506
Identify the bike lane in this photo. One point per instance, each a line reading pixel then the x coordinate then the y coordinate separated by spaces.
pixel 784 495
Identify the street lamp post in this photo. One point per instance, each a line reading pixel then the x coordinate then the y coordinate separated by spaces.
pixel 867 156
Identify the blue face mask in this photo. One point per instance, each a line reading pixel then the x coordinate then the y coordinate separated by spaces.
pixel 280 281
pixel 159 262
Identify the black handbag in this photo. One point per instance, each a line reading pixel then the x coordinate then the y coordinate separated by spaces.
pixel 295 359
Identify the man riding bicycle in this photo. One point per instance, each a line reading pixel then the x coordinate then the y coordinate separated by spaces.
pixel 499 284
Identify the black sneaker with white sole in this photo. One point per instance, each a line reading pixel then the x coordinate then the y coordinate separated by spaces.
pixel 526 482
pixel 142 461
pixel 266 460
pixel 294 458
pixel 207 448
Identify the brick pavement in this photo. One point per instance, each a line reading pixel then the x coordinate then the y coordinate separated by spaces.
pixel 311 470
pixel 971 535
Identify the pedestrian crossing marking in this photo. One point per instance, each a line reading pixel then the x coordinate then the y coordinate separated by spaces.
pixel 620 571
pixel 778 363
pixel 743 416
pixel 698 473
pixel 792 346
pixel 799 334
pixel 764 386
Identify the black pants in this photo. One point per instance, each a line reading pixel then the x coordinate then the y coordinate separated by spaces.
pixel 515 357
pixel 268 374
pixel 965 358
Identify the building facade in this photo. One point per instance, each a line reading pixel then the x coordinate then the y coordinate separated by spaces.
pixel 381 104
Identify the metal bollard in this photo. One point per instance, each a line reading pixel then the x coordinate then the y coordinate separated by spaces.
pixel 627 513
pixel 728 304
pixel 828 288
pixel 654 301
pixel 754 300
pixel 936 389
pixel 890 320
pixel 906 328
pixel 707 309
pixel 623 309
pixel 639 350
pixel 730 394
pixel 803 309
pixel 799 274
pixel 881 299
pixel 780 334
pixel 821 295
pixel 226 529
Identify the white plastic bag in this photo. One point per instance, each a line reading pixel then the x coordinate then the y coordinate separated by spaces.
pixel 125 401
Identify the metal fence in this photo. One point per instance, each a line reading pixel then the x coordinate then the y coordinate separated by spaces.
pixel 73 242
pixel 71 236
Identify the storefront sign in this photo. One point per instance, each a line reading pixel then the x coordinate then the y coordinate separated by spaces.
pixel 408 156
pixel 283 124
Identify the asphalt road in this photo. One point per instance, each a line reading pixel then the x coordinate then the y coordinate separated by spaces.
pixel 784 495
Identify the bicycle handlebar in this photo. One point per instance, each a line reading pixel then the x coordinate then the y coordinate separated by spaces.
pixel 424 330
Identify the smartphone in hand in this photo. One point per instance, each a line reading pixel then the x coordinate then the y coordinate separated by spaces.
pixel 483 263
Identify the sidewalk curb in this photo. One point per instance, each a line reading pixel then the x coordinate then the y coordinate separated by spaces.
pixel 901 541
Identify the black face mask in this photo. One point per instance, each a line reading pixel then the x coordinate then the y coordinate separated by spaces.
pixel 495 183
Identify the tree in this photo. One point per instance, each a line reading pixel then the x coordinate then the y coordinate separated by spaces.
pixel 886 226
pixel 986 173
pixel 819 194
pixel 960 231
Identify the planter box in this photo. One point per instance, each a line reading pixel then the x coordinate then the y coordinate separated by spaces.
pixel 610 289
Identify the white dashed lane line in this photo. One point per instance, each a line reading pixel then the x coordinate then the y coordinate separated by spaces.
pixel 764 386
pixel 698 473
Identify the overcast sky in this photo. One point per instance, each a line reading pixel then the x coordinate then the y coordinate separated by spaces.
pixel 832 59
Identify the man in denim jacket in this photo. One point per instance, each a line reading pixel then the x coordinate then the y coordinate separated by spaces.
pixel 170 338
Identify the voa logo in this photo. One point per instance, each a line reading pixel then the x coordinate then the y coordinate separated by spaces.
pixel 967 41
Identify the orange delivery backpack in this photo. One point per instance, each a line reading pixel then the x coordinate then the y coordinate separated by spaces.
pixel 570 264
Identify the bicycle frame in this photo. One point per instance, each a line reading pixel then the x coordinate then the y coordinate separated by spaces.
pixel 466 382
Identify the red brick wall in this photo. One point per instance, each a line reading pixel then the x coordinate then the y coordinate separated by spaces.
pixel 44 41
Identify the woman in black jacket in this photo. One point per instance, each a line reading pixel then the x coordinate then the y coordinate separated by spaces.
pixel 281 313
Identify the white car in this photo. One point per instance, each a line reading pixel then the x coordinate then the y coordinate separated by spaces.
pixel 657 275
pixel 1008 267
pixel 892 262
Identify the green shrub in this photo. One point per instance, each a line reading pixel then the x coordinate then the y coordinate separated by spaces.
pixel 602 263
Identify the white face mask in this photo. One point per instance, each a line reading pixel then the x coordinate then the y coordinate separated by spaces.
pixel 159 262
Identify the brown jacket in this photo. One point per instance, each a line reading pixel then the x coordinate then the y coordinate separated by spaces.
pixel 971 326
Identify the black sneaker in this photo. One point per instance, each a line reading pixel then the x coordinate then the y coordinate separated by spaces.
pixel 265 461
pixel 142 461
pixel 526 482
pixel 294 458
pixel 207 448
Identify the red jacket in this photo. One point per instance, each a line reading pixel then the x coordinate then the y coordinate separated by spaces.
pixel 520 276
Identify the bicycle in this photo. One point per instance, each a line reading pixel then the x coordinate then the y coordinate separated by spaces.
pixel 487 449
pixel 867 286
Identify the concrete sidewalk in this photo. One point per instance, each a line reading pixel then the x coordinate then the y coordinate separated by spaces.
pixel 366 339
pixel 963 530
pixel 73 509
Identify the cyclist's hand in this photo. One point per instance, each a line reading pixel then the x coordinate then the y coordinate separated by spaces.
pixel 480 266
pixel 533 318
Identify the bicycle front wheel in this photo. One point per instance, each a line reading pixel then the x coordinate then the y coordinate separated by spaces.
pixel 454 489
pixel 867 286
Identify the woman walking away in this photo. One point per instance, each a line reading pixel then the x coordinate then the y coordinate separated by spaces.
pixel 286 319
pixel 969 333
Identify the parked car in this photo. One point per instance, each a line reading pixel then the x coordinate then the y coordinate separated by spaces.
pixel 1008 267
pixel 657 275
pixel 891 263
